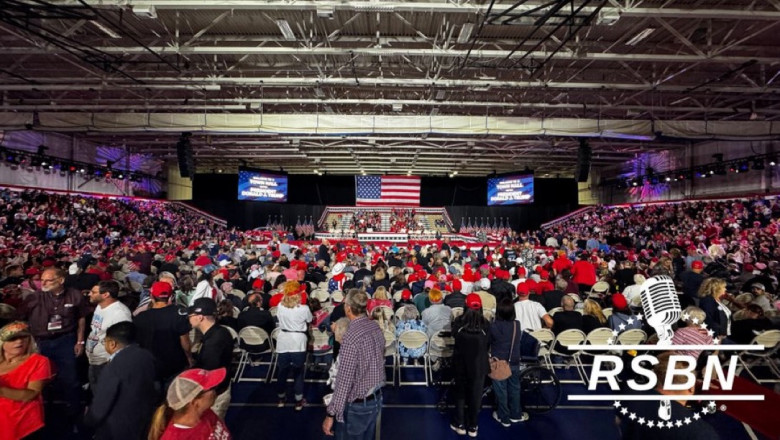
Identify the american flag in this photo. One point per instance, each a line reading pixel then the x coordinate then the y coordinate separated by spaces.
pixel 387 190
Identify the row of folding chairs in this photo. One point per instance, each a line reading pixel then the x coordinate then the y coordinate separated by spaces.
pixel 440 345
pixel 556 346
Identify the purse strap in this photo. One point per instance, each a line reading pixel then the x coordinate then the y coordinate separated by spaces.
pixel 511 347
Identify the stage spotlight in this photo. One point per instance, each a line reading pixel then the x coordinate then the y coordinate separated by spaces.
pixel 772 161
pixel 635 182
pixel 668 179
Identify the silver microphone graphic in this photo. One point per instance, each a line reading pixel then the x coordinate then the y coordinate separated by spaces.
pixel 661 306
pixel 662 309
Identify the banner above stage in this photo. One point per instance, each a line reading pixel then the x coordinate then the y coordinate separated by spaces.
pixel 387 191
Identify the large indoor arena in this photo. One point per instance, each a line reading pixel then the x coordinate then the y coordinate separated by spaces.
pixel 389 219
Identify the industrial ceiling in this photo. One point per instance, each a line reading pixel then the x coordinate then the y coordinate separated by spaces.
pixel 425 87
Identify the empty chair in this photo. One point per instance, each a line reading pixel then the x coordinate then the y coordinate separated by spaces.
pixel 770 339
pixel 599 336
pixel 253 342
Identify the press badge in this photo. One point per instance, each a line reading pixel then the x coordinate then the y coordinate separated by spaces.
pixel 55 323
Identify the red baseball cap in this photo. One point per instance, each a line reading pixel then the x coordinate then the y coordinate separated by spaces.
pixel 619 301
pixel 473 301
pixel 406 294
pixel 190 383
pixel 697 265
pixel 523 289
pixel 457 286
pixel 161 290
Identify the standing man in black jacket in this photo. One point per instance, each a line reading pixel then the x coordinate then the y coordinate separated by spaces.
pixel 125 394
pixel 216 350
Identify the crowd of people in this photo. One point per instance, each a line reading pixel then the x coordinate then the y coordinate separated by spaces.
pixel 144 295
pixel 399 220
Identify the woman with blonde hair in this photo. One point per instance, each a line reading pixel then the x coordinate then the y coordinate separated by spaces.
pixel 592 316
pixel 23 374
pixel 380 278
pixel 294 319
pixel 711 292
pixel 186 413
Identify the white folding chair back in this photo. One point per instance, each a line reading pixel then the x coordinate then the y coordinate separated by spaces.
pixel 236 311
pixel 232 332
pixel 398 314
pixel 633 336
pixel 456 311
pixel 555 310
pixel 744 298
pixel 564 346
pixel 397 295
pixel 252 336
pixel 770 339
pixel 238 293
pixel 412 339
pixel 273 311
pixel 545 337
pixel 607 312
pixel 599 336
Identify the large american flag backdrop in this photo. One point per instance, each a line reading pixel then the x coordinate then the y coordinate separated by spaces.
pixel 387 190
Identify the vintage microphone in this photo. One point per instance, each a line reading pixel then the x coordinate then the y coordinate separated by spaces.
pixel 662 309
pixel 661 306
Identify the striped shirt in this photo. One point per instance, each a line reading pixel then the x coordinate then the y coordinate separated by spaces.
pixel 361 364
pixel 691 336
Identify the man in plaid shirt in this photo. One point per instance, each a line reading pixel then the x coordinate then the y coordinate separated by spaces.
pixel 357 399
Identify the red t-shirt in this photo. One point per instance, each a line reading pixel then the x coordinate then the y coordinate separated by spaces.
pixel 210 427
pixel 19 419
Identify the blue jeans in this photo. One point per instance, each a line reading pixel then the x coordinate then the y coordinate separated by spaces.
pixel 291 363
pixel 59 350
pixel 508 396
pixel 360 420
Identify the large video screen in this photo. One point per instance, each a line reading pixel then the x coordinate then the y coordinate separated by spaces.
pixel 261 186
pixel 510 190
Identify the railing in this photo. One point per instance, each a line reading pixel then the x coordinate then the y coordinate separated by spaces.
pixel 217 220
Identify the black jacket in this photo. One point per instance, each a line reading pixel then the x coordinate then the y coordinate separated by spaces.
pixel 125 396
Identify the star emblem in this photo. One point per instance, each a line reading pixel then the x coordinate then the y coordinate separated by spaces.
pixel 624 411
pixel 695 320
pixel 651 423
pixel 696 416
pixel 686 316
pixel 616 404
pixel 615 332
pixel 641 421
pixel 610 341
pixel 711 333
pixel 712 404
pixel 632 416
pixel 703 325
pixel 678 423
pixel 630 321
pixel 669 424
pixel 687 420
pixel 622 327
pixel 639 316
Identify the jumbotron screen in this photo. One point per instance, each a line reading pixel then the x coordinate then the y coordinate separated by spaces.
pixel 510 190
pixel 261 186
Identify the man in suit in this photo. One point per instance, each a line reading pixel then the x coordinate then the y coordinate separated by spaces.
pixel 125 396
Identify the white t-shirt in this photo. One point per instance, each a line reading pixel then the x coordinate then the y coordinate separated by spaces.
pixel 296 320
pixel 101 321
pixel 205 290
pixel 530 314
